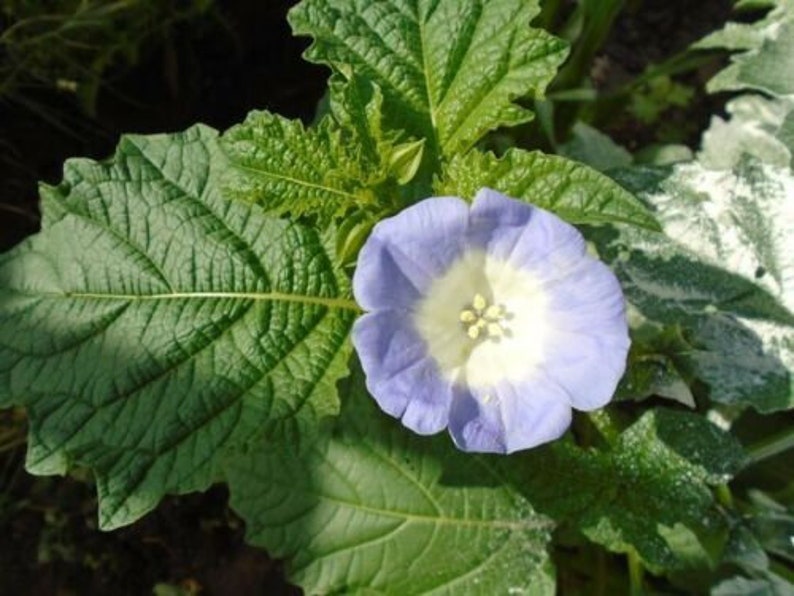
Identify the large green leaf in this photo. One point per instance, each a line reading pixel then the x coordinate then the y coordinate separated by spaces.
pixel 571 190
pixel 377 509
pixel 630 496
pixel 450 70
pixel 723 270
pixel 153 324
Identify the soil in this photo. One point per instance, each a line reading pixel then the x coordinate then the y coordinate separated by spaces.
pixel 649 32
pixel 212 72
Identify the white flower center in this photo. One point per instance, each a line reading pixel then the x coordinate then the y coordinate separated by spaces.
pixel 484 321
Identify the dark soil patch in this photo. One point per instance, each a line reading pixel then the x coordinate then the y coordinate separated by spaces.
pixel 649 33
pixel 51 546
pixel 212 71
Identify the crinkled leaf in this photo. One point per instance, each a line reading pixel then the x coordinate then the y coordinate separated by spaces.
pixel 766 53
pixel 723 270
pixel 153 324
pixel 357 104
pixel 345 162
pixel 758 126
pixel 288 169
pixel 382 510
pixel 450 70
pixel 571 190
pixel 657 474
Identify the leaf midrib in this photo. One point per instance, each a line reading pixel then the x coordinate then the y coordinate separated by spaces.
pixel 338 303
pixel 296 181
pixel 440 520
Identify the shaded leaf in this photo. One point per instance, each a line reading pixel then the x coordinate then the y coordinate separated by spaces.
pixel 657 364
pixel 379 509
pixel 592 147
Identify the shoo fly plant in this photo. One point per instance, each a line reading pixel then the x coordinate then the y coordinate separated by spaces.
pixel 419 365
pixel 544 328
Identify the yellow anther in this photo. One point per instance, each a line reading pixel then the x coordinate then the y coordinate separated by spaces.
pixel 486 398
pixel 468 316
pixel 495 330
pixel 494 312
pixel 482 319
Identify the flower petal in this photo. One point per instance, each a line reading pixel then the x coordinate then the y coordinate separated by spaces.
pixel 522 234
pixel 588 342
pixel 587 367
pixel 511 418
pixel 587 298
pixel 406 252
pixel 399 374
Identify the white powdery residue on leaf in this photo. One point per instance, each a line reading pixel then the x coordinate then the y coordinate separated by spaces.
pixel 771 31
pixel 777 339
pixel 724 269
pixel 753 128
pixel 740 220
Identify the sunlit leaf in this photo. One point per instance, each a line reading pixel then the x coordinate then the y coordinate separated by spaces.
pixel 152 324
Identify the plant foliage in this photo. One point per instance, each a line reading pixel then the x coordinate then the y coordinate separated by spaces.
pixel 183 318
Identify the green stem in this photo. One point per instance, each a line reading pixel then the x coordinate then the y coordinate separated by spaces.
pixel 598 17
pixel 549 15
pixel 636 572
pixel 770 447
pixel 724 496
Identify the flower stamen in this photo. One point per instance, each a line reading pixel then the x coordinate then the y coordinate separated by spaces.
pixel 483 320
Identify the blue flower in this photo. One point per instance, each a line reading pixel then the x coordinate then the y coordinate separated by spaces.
pixel 489 319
